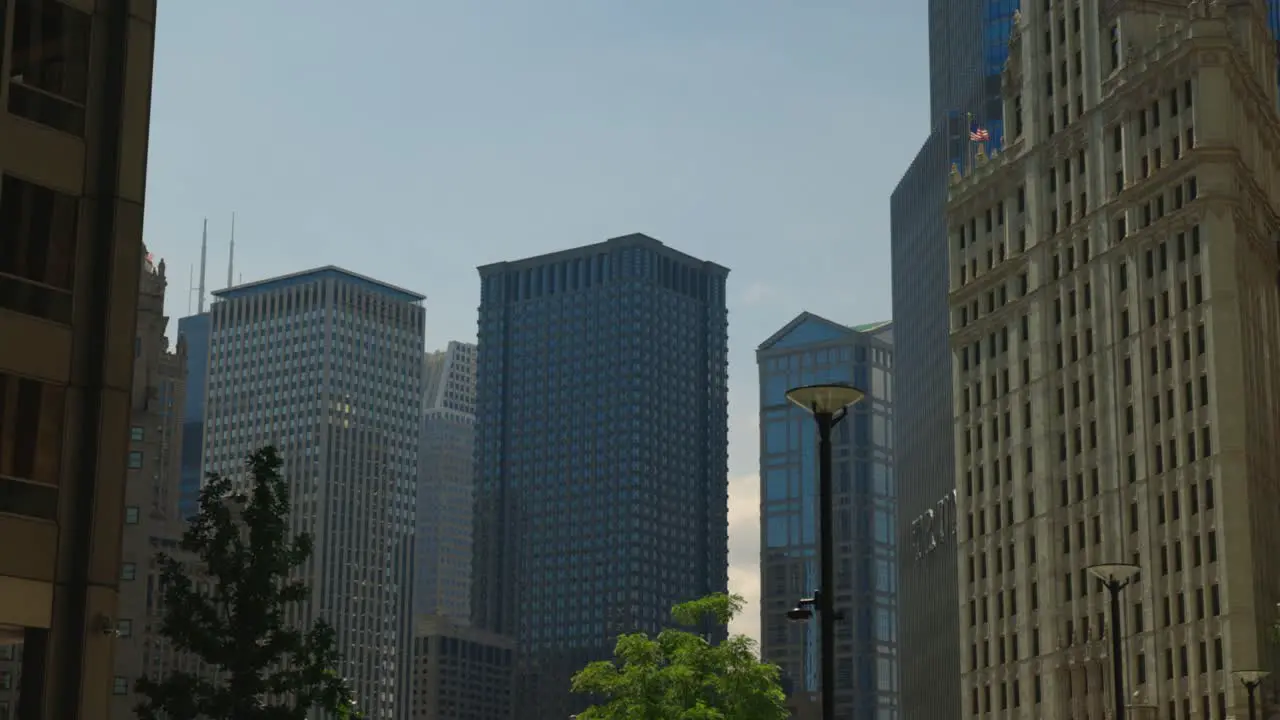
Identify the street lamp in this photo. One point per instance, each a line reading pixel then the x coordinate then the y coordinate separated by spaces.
pixel 829 405
pixel 1115 577
pixel 1251 679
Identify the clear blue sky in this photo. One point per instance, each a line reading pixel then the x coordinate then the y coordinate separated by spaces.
pixel 413 140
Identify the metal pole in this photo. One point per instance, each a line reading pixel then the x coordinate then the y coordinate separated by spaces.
pixel 827 598
pixel 1116 665
pixel 1253 704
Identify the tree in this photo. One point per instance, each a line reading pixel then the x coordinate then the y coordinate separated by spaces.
pixel 233 616
pixel 679 675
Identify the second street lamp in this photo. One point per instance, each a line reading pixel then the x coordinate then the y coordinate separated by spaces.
pixel 829 405
pixel 1251 679
pixel 1115 577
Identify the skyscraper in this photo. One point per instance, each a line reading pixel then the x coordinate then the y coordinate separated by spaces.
pixel 75 80
pixel 327 366
pixel 194 331
pixel 602 434
pixel 968 44
pixel 806 351
pixel 446 475
pixel 1115 327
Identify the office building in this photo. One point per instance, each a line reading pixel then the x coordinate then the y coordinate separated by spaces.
pixel 73 152
pixel 327 366
pixel 151 519
pixel 968 44
pixel 150 511
pixel 461 672
pixel 602 432
pixel 194 331
pixel 1114 331
pixel 446 475
pixel 806 351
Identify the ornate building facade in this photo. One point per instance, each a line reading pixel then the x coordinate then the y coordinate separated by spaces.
pixel 1115 334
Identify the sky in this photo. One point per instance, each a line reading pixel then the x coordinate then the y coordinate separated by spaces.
pixel 414 140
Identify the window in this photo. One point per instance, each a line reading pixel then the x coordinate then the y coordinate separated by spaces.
pixel 135 433
pixel 128 571
pixel 124 628
pixel 49 66
pixel 31 419
pixel 131 515
pixel 37 258
pixel 120 686
pixel 135 459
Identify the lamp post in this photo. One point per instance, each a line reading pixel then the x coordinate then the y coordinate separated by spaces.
pixel 829 405
pixel 1115 577
pixel 1251 679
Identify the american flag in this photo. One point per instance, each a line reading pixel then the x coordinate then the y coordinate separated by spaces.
pixel 978 134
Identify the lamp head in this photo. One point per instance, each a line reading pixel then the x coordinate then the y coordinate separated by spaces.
pixel 799 614
pixel 827 399
pixel 1250 677
pixel 1114 572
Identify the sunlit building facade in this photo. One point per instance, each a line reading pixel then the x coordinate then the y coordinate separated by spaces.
pixel 810 350
pixel 327 366
pixel 1115 335
pixel 601 450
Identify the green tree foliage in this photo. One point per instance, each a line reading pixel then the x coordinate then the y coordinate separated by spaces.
pixel 680 676
pixel 232 617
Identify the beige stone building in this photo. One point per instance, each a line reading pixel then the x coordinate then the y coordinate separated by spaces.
pixel 1116 344
pixel 75 92
pixel 151 520
pixel 461 672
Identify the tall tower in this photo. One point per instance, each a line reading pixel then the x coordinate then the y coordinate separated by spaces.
pixel 1115 335
pixel 968 41
pixel 809 350
pixel 327 366
pixel 446 476
pixel 602 438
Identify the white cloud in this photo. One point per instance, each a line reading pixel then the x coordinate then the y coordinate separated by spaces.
pixel 744 551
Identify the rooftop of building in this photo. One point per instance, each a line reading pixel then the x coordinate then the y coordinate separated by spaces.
pixel 623 241
pixel 808 329
pixel 320 273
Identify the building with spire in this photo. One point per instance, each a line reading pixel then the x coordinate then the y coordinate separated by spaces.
pixel 1115 336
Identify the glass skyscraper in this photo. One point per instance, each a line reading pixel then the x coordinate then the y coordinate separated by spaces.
pixel 195 330
pixel 810 350
pixel 327 366
pixel 968 47
pixel 601 450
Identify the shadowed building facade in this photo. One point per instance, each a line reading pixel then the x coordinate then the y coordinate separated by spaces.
pixel 446 475
pixel 807 351
pixel 968 45
pixel 601 450
pixel 75 96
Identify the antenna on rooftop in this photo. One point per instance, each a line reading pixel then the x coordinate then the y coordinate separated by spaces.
pixel 231 257
pixel 204 251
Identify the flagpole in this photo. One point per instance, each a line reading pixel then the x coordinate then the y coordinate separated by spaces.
pixel 968 153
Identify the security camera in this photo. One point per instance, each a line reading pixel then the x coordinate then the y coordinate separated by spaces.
pixel 107 627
